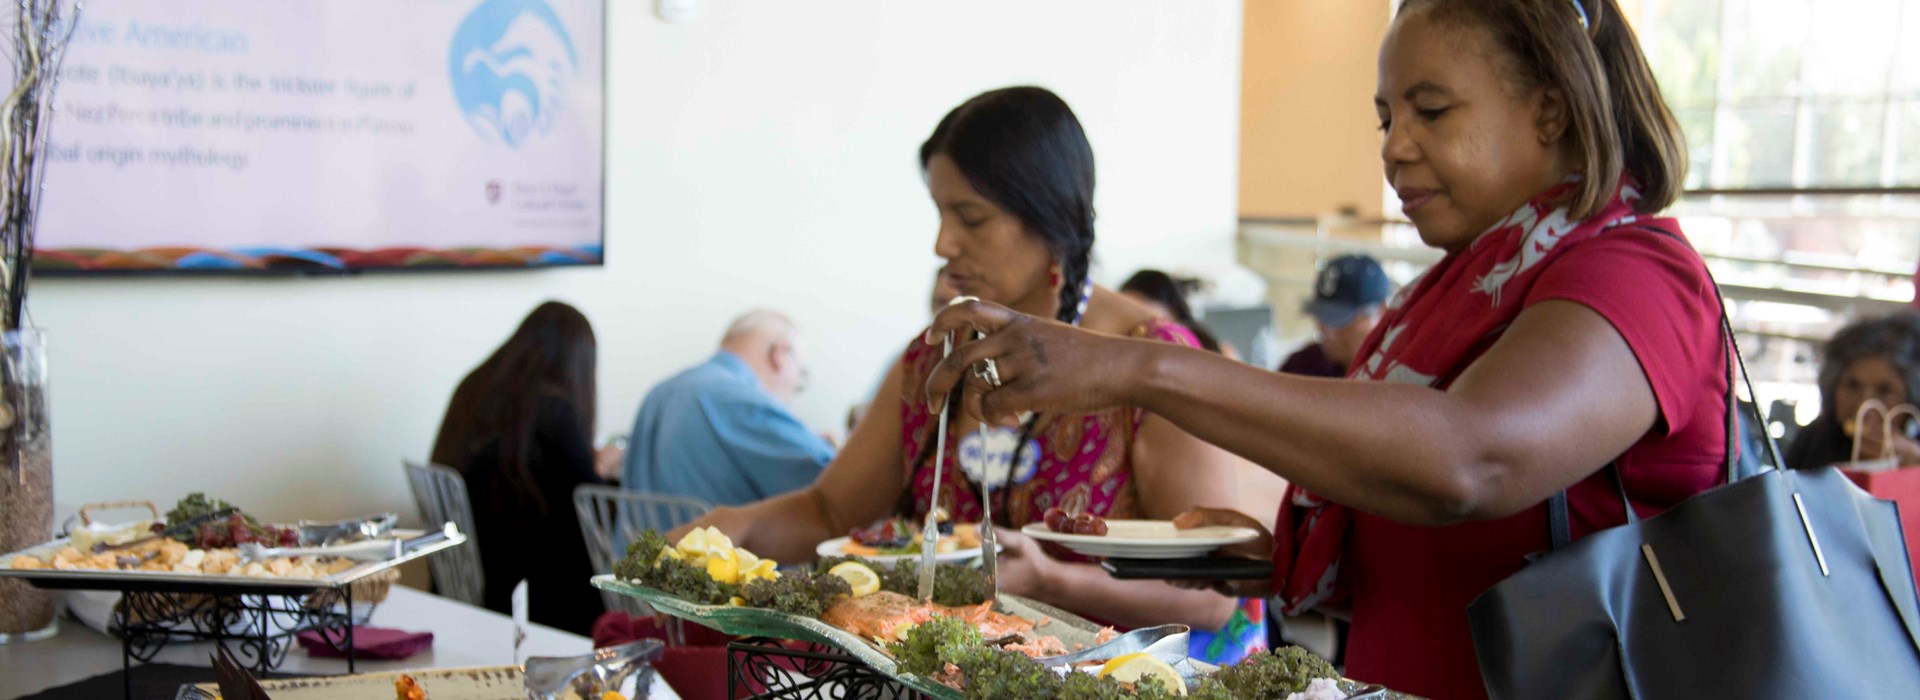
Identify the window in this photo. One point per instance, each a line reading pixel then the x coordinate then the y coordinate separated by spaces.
pixel 1802 120
pixel 1779 94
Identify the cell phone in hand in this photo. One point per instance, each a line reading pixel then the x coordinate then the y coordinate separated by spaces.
pixel 1192 569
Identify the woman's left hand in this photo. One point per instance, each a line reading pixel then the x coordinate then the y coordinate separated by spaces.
pixel 1042 365
pixel 1261 548
pixel 1022 564
pixel 608 462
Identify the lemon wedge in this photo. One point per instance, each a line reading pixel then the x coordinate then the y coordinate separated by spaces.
pixel 862 579
pixel 694 543
pixel 1130 668
pixel 669 553
pixel 701 540
pixel 761 569
pixel 723 566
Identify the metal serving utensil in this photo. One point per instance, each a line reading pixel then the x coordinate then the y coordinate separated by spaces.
pixel 372 527
pixel 1369 692
pixel 989 539
pixel 190 526
pixel 591 675
pixel 371 550
pixel 930 530
pixel 1166 642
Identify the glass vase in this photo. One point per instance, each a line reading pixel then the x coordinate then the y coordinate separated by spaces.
pixel 26 480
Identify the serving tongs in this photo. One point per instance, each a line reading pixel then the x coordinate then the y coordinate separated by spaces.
pixel 592 675
pixel 930 529
pixel 1167 643
pixel 989 539
pixel 370 550
pixel 371 527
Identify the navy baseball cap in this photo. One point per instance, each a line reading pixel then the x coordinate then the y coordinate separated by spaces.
pixel 1346 286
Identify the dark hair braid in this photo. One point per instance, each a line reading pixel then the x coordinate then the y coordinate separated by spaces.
pixel 1023 149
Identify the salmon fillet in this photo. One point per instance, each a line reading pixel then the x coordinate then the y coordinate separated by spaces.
pixel 884 614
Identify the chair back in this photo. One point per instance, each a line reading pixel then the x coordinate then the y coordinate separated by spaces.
pixel 611 517
pixel 441 494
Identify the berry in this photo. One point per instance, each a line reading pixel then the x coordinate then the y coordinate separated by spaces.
pixel 1056 519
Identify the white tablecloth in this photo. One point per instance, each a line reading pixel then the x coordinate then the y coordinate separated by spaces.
pixel 463 636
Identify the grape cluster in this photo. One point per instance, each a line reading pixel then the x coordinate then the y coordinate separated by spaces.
pixel 236 530
pixel 1083 524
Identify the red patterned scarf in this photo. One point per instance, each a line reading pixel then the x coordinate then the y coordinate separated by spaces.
pixel 1429 333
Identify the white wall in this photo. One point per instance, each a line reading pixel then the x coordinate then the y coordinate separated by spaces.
pixel 763 153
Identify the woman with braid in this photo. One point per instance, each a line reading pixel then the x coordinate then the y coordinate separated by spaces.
pixel 1011 174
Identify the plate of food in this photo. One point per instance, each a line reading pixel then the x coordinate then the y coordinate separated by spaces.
pixel 1093 536
pixel 964 643
pixel 892 540
pixel 207 541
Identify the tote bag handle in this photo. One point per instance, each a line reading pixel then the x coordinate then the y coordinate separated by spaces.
pixel 1887 417
pixel 1559 520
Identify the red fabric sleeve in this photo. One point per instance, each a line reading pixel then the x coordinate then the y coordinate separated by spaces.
pixel 1655 291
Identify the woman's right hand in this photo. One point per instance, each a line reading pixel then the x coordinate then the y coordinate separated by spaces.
pixel 729 521
pixel 1261 549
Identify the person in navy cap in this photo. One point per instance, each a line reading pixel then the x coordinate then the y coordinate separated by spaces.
pixel 1347 296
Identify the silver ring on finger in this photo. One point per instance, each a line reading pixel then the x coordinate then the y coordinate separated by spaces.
pixel 991 373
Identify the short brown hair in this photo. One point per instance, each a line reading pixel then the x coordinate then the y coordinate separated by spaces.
pixel 1617 118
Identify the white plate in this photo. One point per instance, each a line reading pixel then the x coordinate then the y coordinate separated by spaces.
pixel 1145 539
pixel 837 547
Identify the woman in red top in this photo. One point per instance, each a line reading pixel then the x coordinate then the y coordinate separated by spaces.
pixel 1565 329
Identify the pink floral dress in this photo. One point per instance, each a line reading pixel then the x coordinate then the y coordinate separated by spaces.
pixel 1091 454
pixel 1064 453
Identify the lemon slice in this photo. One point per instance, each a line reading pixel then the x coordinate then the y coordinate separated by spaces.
pixel 1130 668
pixel 694 543
pixel 858 576
pixel 723 566
pixel 762 569
pixel 700 540
pixel 669 553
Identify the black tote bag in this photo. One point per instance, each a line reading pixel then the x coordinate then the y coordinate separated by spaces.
pixel 1731 594
pixel 1788 584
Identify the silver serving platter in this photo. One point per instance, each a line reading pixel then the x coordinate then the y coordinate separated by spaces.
pixel 102 579
pixel 485 683
pixel 1071 629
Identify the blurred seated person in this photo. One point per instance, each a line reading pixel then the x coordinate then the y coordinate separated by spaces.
pixel 519 430
pixel 1347 298
pixel 1873 358
pixel 721 431
pixel 1166 297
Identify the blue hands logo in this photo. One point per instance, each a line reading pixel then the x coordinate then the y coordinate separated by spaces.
pixel 510 63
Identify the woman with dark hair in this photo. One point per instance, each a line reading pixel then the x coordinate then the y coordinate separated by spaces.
pixel 1167 298
pixel 519 429
pixel 1568 342
pixel 1872 358
pixel 1011 174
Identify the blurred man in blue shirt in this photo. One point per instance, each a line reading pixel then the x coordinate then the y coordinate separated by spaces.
pixel 1347 299
pixel 721 431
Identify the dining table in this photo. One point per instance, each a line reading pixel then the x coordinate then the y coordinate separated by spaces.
pixel 464 636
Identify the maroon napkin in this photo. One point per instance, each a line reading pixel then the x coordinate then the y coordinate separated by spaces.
pixel 370 643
